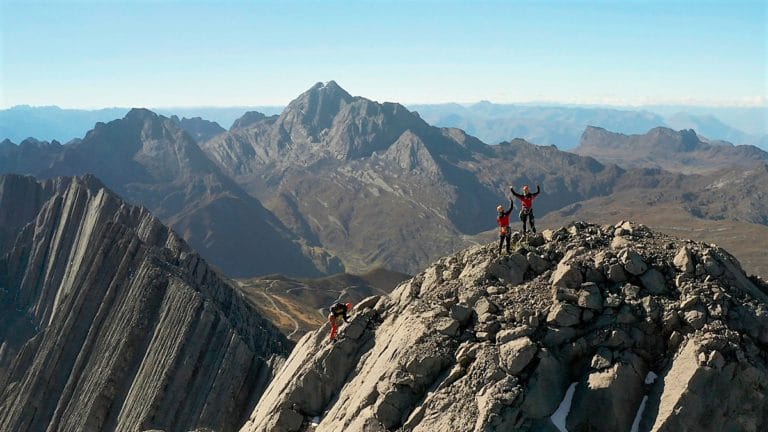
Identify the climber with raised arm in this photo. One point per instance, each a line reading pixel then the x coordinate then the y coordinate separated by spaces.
pixel 526 202
pixel 339 311
pixel 503 220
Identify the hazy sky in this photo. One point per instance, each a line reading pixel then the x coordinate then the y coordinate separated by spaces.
pixel 190 53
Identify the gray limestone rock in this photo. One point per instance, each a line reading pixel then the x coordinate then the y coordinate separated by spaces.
pixel 683 261
pixel 546 387
pixel 564 315
pixel 653 281
pixel 607 400
pixel 538 264
pixel 567 275
pixel 632 261
pixel 460 313
pixel 590 297
pixel 517 354
pixel 695 318
pixel 616 273
pixel 485 306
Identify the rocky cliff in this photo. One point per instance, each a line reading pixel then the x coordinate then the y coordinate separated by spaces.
pixel 111 322
pixel 586 328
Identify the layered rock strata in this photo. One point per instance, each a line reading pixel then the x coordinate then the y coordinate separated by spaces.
pixel 111 322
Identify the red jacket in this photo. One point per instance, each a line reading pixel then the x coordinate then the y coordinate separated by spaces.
pixel 527 199
pixel 503 220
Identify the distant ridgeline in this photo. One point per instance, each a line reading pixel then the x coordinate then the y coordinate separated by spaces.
pixel 337 182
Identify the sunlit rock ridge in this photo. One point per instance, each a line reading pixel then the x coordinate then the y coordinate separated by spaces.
pixel 599 328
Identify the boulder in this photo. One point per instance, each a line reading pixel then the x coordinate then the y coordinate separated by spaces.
pixel 653 281
pixel 732 397
pixel 546 387
pixel 683 261
pixel 460 313
pixel 695 318
pixel 538 264
pixel 712 266
pixel 515 355
pixel 567 275
pixel 590 296
pixel 632 261
pixel 511 269
pixel 619 243
pixel 564 315
pixel 448 326
pixel 607 400
pixel 484 306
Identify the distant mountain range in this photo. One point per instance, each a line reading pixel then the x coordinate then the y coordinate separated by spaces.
pixel 678 151
pixel 150 160
pixel 339 182
pixel 563 125
pixel 49 123
pixel 492 123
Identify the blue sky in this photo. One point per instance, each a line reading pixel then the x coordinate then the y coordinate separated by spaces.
pixel 153 53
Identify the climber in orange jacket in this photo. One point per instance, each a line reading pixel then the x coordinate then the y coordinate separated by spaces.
pixel 338 311
pixel 503 220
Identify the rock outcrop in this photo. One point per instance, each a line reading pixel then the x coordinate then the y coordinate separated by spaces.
pixel 111 322
pixel 573 330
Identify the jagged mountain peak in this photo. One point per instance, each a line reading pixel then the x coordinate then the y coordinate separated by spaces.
pixel 315 109
pixel 618 317
pixel 143 143
pixel 330 88
pixel 247 119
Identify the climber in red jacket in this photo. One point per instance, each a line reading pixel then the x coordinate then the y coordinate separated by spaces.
pixel 503 220
pixel 526 201
pixel 338 311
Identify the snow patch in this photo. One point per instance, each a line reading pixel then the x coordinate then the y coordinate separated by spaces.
pixel 558 418
pixel 650 378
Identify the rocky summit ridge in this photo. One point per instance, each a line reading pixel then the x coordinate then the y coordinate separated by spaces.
pixel 584 328
pixel 110 322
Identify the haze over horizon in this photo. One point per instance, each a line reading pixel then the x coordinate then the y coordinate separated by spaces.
pixel 153 53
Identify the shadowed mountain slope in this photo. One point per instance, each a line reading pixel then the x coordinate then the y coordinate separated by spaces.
pixel 111 322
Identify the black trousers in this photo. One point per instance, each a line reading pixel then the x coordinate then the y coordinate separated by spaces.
pixel 527 216
pixel 507 237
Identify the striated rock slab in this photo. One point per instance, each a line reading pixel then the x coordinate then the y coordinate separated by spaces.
pixel 111 322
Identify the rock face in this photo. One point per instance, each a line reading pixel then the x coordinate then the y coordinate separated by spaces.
pixel 460 347
pixel 111 322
